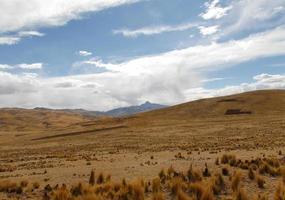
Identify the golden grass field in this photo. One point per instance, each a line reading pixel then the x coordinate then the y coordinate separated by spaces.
pixel 189 151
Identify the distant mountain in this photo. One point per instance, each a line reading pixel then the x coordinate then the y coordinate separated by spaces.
pixel 125 111
pixel 118 112
pixel 74 111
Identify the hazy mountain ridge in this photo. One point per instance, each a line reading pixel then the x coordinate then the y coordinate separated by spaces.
pixel 118 112
pixel 125 111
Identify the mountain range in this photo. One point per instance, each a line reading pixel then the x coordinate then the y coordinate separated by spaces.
pixel 118 112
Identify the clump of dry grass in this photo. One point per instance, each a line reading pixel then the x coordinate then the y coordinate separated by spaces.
pixel 236 179
pixel 193 175
pixel 197 189
pixel 280 192
pixel 217 161
pixel 100 178
pixel 176 184
pixel 61 194
pixel 156 185
pixel 183 196
pixel 225 171
pixel 218 184
pixel 24 183
pixel 138 190
pixel 108 178
pixel 162 175
pixel 170 171
pixel 10 187
pixel 282 173
pixel 240 195
pixel 260 197
pixel 260 182
pixel 269 167
pixel 207 194
pixel 77 190
pixel 158 196
pixel 229 159
pixel 251 174
pixel 92 178
pixel 206 172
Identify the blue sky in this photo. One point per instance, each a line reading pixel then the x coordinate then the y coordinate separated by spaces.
pixel 102 54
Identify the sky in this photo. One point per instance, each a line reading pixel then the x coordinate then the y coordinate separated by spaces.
pixel 104 54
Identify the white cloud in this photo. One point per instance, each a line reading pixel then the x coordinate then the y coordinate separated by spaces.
pixel 17 15
pixel 16 84
pixel 30 34
pixel 24 66
pixel 154 30
pixel 167 78
pixel 5 67
pixel 248 15
pixel 214 10
pixel 210 30
pixel 84 53
pixel 30 66
pixel 212 80
pixel 16 38
pixel 99 63
pixel 9 40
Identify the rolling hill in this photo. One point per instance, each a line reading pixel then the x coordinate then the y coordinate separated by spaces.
pixel 249 104
pixel 19 120
pixel 256 103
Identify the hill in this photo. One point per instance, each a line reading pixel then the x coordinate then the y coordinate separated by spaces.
pixel 19 120
pixel 256 103
pixel 244 105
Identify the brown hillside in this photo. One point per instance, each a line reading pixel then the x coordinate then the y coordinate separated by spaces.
pixel 18 120
pixel 257 102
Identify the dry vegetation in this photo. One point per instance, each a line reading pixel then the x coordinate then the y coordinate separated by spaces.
pixel 180 185
pixel 190 151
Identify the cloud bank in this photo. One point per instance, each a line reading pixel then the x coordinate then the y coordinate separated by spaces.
pixel 168 78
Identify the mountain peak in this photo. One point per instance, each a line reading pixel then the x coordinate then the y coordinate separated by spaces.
pixel 147 103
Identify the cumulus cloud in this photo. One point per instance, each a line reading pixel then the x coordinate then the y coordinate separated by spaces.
pixel 214 10
pixel 84 53
pixel 154 30
pixel 16 15
pixel 210 30
pixel 16 85
pixel 167 78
